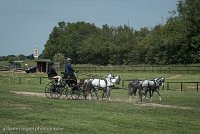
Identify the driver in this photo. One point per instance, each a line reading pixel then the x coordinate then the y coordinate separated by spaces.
pixel 69 71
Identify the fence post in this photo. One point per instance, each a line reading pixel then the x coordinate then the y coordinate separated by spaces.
pixel 167 85
pixel 169 69
pixel 20 79
pixel 181 86
pixel 40 80
pixel 123 83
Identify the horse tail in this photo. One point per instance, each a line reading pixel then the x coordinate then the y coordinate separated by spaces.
pixel 130 88
pixel 87 88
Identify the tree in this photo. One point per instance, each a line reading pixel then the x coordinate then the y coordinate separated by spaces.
pixel 59 57
pixel 30 57
pixel 189 13
pixel 176 42
pixel 21 57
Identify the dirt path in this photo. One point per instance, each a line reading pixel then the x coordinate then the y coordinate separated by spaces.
pixel 119 100
pixel 29 93
pixel 163 106
pixel 150 104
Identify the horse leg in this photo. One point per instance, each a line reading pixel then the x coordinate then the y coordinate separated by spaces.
pixel 146 94
pixel 85 91
pixel 108 93
pixel 151 95
pixel 134 91
pixel 85 95
pixel 96 93
pixel 159 94
pixel 103 94
pixel 140 94
pixel 90 89
pixel 130 97
pixel 89 96
pixel 130 93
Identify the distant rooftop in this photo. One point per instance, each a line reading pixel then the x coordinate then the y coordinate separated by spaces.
pixel 18 61
pixel 42 60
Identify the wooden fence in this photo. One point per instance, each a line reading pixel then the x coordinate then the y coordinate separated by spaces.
pixel 181 84
pixel 154 68
pixel 39 80
pixel 129 68
pixel 22 80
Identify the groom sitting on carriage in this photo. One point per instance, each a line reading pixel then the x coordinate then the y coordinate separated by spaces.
pixel 52 73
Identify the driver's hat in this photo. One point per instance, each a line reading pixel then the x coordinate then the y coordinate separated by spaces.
pixel 69 59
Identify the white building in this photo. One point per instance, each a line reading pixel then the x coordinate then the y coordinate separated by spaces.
pixel 36 52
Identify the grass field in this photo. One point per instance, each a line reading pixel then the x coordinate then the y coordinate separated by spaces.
pixel 178 112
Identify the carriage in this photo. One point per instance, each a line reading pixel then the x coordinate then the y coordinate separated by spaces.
pixel 70 89
pixel 67 89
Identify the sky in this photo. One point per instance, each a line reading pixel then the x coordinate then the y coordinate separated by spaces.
pixel 25 24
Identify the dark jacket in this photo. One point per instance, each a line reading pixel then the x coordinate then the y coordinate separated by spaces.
pixel 69 72
pixel 51 72
pixel 69 69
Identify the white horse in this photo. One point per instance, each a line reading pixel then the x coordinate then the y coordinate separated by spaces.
pixel 93 85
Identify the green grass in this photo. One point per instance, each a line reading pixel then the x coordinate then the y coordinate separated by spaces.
pixel 99 117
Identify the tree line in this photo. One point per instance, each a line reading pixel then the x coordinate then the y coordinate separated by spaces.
pixel 175 42
pixel 11 58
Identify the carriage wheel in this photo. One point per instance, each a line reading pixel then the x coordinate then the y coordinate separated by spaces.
pixel 48 89
pixel 56 92
pixel 64 93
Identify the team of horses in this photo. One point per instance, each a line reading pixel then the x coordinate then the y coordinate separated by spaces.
pixel 106 84
pixel 145 86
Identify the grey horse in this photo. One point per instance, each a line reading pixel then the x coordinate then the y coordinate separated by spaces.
pixel 152 86
pixel 133 86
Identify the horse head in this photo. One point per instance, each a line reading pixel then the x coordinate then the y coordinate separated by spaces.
pixel 113 79
pixel 160 81
pixel 118 79
pixel 110 76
